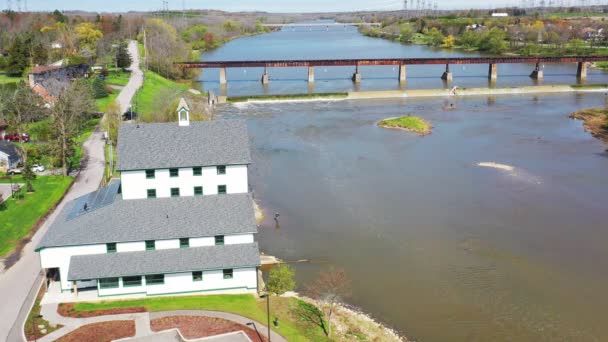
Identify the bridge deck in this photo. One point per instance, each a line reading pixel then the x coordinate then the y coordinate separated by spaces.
pixel 390 61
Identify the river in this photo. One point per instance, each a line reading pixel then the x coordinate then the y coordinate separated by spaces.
pixel 437 247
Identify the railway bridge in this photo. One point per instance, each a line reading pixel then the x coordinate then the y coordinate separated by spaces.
pixel 492 62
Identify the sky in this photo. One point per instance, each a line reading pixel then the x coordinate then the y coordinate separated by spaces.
pixel 246 5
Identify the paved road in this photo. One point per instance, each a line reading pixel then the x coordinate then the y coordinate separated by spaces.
pixel 16 282
pixel 136 80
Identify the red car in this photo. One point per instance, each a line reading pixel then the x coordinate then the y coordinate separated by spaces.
pixel 16 138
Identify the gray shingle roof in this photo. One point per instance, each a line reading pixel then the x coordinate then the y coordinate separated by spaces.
pixel 163 261
pixel 153 219
pixel 11 150
pixel 165 145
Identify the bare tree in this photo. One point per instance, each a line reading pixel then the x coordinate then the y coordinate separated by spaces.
pixel 330 288
pixel 69 113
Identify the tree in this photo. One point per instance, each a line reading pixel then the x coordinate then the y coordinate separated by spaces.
pixel 123 58
pixel 280 280
pixel 166 47
pixel 330 288
pixel 406 34
pixel 40 54
pixel 29 176
pixel 494 41
pixel 88 35
pixel 449 41
pixel 469 39
pixel 17 57
pixel 435 37
pixel 99 88
pixel 69 112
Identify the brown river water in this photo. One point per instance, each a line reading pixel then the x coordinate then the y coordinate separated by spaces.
pixel 438 247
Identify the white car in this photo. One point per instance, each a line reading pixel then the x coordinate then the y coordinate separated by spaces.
pixel 38 168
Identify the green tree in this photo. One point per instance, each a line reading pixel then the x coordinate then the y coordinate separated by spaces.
pixel 406 34
pixel 88 35
pixel 494 41
pixel 123 58
pixel 99 88
pixel 280 280
pixel 435 37
pixel 29 176
pixel 40 54
pixel 17 57
pixel 60 17
pixel 469 39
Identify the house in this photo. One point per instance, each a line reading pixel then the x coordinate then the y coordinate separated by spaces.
pixel 49 80
pixel 500 14
pixel 179 220
pixel 10 156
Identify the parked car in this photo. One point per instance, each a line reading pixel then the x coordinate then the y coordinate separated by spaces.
pixel 17 138
pixel 15 171
pixel 129 115
pixel 38 168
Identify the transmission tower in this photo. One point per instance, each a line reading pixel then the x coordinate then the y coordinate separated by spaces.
pixel 18 5
pixel 9 5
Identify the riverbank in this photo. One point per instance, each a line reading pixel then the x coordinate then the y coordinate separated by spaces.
pixel 595 121
pixel 413 93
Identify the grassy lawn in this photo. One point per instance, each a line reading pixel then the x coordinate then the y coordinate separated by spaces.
pixel 410 123
pixel 245 305
pixel 31 329
pixel 118 77
pixel 19 216
pixel 7 79
pixel 104 102
pixel 156 88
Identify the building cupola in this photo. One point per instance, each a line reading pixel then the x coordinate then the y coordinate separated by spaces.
pixel 183 113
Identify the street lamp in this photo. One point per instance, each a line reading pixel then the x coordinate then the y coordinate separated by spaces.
pixel 256 330
pixel 267 296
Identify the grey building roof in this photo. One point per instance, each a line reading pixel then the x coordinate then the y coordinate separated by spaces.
pixel 166 145
pixel 11 150
pixel 163 261
pixel 151 219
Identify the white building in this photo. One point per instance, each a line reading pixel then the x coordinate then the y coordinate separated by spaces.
pixel 500 14
pixel 180 219
pixel 10 156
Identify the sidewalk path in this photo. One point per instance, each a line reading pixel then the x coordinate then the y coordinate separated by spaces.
pixel 16 282
pixel 142 321
pixel 135 82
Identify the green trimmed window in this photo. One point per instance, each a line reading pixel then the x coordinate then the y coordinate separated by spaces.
pixel 174 192
pixel 198 190
pixel 219 240
pixel 150 174
pixel 221 169
pixel 197 276
pixel 150 245
pixel 131 281
pixel 108 283
pixel 228 273
pixel 173 172
pixel 221 189
pixel 151 193
pixel 155 279
pixel 184 243
pixel 197 171
pixel 111 247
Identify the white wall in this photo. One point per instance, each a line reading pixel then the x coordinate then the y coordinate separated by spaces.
pixel 60 257
pixel 135 185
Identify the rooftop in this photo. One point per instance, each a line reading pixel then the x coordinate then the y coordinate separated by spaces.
pixel 163 261
pixel 10 149
pixel 167 145
pixel 112 219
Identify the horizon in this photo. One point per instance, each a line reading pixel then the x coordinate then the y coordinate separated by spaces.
pixel 269 6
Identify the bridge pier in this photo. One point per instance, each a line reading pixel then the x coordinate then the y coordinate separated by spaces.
pixel 357 75
pixel 265 79
pixel 447 74
pixel 581 71
pixel 537 74
pixel 493 72
pixel 222 75
pixel 402 73
pixel 311 74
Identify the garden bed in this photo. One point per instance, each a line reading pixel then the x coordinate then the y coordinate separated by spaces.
pixel 192 327
pixel 101 332
pixel 68 310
